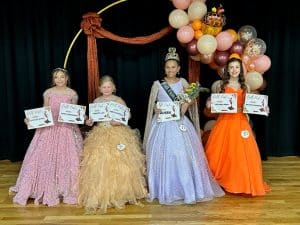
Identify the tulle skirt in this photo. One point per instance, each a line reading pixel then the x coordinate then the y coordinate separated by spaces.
pixel 112 169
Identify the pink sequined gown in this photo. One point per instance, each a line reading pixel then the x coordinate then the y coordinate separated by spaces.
pixel 50 168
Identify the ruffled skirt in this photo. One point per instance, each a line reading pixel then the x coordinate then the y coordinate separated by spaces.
pixel 112 169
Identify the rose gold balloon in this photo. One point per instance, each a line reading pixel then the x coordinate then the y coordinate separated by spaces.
pixel 191 47
pixel 206 58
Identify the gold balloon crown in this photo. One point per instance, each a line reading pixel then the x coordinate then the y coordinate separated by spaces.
pixel 172 54
pixel 216 17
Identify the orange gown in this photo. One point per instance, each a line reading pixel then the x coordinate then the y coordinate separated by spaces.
pixel 233 154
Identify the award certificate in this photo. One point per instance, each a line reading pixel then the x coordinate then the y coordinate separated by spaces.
pixel 168 111
pixel 99 112
pixel 71 113
pixel 256 104
pixel 39 117
pixel 119 113
pixel 224 103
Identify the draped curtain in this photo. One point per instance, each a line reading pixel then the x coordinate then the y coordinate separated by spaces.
pixel 35 36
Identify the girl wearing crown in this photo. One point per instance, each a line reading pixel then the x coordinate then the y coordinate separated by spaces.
pixel 177 169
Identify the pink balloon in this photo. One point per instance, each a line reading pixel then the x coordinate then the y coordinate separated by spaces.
pixel 237 47
pixel 224 41
pixel 191 47
pixel 245 58
pixel 244 68
pixel 250 66
pixel 185 34
pixel 181 4
pixel 262 63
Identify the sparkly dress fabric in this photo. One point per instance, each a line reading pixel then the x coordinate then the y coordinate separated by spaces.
pixel 50 168
pixel 177 168
pixel 233 154
pixel 112 169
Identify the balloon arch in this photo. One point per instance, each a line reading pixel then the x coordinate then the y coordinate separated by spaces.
pixel 199 31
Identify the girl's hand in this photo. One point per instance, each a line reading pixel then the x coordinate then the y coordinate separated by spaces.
pixel 89 122
pixel 184 108
pixel 26 121
pixel 115 123
pixel 156 110
pixel 267 110
pixel 208 103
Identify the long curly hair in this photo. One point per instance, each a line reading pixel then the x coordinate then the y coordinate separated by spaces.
pixel 226 76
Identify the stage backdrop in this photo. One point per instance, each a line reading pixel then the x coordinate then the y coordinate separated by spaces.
pixel 35 36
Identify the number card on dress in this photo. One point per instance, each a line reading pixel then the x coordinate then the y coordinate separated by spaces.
pixel 39 117
pixel 224 103
pixel 71 113
pixel 168 111
pixel 256 104
pixel 118 112
pixel 99 112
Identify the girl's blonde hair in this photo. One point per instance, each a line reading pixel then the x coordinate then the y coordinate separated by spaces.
pixel 107 78
pixel 64 71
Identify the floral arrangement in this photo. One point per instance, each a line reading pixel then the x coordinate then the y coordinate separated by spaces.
pixel 190 93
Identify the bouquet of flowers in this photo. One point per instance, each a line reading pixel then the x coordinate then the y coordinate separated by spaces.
pixel 191 93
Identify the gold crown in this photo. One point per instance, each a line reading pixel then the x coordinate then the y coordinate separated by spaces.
pixel 172 54
pixel 215 18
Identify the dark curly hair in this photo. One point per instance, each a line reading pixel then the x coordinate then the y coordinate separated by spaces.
pixel 226 75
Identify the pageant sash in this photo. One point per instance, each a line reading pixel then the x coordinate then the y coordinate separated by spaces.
pixel 168 90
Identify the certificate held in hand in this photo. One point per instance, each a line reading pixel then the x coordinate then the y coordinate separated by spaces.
pixel 39 117
pixel 168 111
pixel 71 113
pixel 256 104
pixel 224 103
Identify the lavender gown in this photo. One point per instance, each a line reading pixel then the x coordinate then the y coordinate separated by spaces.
pixel 177 168
pixel 50 168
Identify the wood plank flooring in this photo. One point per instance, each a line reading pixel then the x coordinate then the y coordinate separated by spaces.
pixel 280 207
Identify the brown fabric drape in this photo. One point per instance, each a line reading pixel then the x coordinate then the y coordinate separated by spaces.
pixel 91 25
pixel 193 70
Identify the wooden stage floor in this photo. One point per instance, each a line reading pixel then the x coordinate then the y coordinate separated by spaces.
pixel 281 206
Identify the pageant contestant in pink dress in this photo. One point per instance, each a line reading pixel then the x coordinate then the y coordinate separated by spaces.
pixel 50 168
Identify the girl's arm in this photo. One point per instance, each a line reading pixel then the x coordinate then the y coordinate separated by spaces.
pixel 46 98
pixel 74 99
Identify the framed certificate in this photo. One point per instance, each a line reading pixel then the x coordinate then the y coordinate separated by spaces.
pixel 168 111
pixel 99 111
pixel 224 103
pixel 118 112
pixel 39 117
pixel 256 104
pixel 71 113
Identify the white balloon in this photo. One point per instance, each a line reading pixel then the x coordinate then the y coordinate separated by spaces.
pixel 196 10
pixel 207 44
pixel 254 80
pixel 178 18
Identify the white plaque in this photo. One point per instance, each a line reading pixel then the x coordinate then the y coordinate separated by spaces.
pixel 168 111
pixel 224 103
pixel 119 113
pixel 39 117
pixel 71 113
pixel 99 112
pixel 256 104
